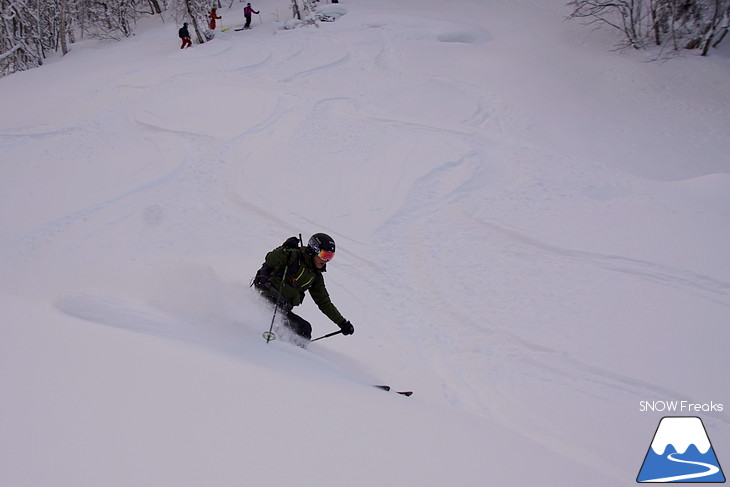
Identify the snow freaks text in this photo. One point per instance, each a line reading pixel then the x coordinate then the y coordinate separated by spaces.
pixel 683 407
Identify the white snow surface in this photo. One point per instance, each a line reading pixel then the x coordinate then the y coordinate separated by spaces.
pixel 532 231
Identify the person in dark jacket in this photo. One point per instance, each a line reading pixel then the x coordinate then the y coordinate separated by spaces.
pixel 247 11
pixel 289 271
pixel 184 34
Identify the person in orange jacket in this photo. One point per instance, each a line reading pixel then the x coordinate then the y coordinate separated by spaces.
pixel 213 16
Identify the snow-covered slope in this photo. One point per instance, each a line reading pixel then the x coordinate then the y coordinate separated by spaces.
pixel 531 229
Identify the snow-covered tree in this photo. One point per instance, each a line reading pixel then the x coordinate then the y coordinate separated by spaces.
pixel 24 37
pixel 195 13
pixel 678 24
pixel 31 29
pixel 108 19
pixel 303 9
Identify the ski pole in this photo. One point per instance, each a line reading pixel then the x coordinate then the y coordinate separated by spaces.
pixel 262 22
pixel 270 335
pixel 328 335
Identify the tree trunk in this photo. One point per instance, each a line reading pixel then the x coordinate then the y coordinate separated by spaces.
pixel 712 29
pixel 194 20
pixel 62 26
pixel 155 6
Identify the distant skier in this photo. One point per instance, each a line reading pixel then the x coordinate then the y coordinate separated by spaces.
pixel 300 269
pixel 184 34
pixel 213 16
pixel 247 11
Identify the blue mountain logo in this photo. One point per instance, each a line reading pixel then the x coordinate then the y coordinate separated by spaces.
pixel 681 452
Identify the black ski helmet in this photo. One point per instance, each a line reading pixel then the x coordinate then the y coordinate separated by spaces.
pixel 319 242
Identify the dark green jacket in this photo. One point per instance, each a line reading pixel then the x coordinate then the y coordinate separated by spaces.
pixel 301 276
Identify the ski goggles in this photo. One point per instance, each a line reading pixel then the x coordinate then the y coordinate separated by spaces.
pixel 326 255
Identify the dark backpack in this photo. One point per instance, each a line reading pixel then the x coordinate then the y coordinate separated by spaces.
pixel 183 32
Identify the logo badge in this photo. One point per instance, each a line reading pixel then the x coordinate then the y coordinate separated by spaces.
pixel 681 452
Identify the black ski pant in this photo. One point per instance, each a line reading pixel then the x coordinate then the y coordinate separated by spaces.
pixel 293 321
pixel 248 22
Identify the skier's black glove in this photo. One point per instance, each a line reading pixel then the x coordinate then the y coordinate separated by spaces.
pixel 291 243
pixel 347 328
pixel 259 282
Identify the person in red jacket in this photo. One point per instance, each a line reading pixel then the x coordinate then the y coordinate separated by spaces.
pixel 247 11
pixel 213 16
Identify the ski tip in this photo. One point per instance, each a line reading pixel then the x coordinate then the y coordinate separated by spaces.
pixel 388 388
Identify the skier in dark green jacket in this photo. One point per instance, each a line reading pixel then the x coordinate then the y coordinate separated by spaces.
pixel 301 270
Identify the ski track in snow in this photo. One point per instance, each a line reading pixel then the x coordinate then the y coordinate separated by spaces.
pixel 331 122
pixel 705 286
pixel 484 349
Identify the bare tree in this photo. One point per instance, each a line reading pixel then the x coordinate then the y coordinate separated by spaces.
pixel 194 12
pixel 108 19
pixel 22 43
pixel 63 26
pixel 682 24
pixel 30 29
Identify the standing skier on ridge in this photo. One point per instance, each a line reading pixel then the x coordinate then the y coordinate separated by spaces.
pixel 247 11
pixel 213 17
pixel 289 270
